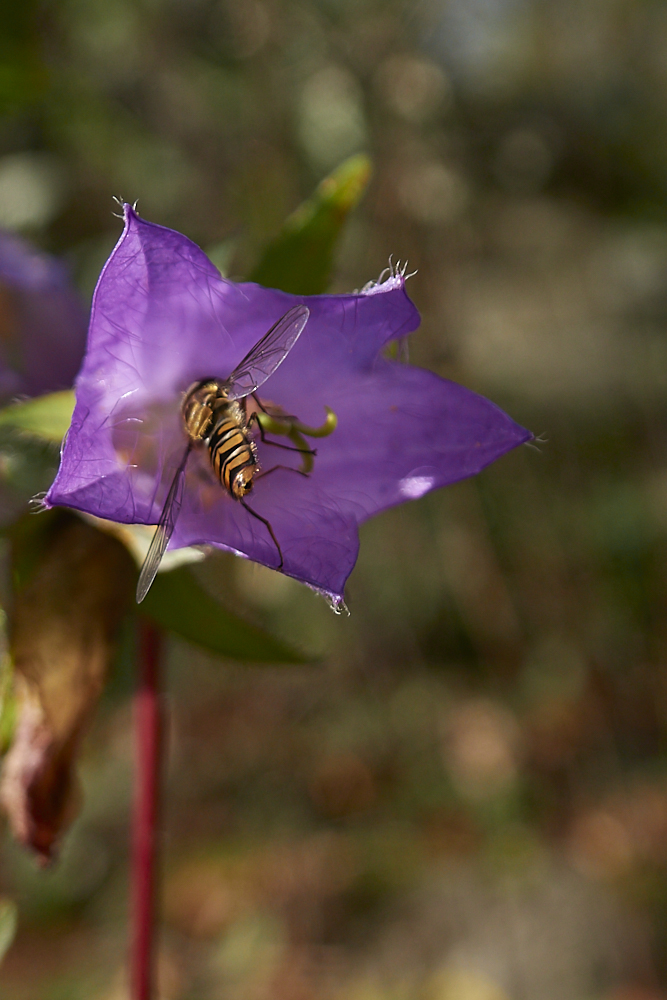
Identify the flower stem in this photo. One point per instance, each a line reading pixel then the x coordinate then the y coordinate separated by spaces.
pixel 148 738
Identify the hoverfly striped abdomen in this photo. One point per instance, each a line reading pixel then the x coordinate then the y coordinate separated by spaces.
pixel 219 423
pixel 233 455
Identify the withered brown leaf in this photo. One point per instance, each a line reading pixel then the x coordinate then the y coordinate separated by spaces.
pixel 62 631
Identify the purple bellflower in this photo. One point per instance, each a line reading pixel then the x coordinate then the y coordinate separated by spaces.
pixel 42 322
pixel 163 319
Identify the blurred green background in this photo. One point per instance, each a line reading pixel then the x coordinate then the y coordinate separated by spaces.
pixel 466 797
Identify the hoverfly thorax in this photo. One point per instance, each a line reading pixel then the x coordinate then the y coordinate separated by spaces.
pixel 198 408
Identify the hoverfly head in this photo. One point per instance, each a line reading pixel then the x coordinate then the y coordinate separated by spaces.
pixel 242 482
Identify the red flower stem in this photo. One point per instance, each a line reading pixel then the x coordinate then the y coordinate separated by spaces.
pixel 148 736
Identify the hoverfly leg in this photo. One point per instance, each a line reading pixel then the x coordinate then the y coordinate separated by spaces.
pixel 287 468
pixel 289 447
pixel 268 527
pixel 278 416
pixel 274 444
pixel 260 404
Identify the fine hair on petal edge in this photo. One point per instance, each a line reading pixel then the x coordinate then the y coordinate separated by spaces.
pixel 38 504
pixel 537 441
pixel 391 274
pixel 120 201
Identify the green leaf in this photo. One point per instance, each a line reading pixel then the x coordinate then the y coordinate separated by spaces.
pixel 45 417
pixel 8 922
pixel 178 603
pixel 300 259
pixel 7 697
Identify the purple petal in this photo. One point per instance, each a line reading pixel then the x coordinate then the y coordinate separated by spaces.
pixel 42 322
pixel 163 318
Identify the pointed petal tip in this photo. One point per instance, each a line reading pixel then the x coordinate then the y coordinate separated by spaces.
pixel 335 601
pixel 515 437
pixel 522 435
pixel 131 215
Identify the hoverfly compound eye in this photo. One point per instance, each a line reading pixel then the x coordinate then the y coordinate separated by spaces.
pixel 242 482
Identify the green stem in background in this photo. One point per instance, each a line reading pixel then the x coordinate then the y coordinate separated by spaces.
pixel 148 736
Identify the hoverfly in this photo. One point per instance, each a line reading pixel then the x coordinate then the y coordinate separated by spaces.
pixel 214 415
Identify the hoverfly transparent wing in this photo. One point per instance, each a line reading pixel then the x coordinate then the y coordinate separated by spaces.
pixel 164 530
pixel 267 354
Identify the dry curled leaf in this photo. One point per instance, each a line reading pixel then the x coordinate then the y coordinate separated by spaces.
pixel 62 633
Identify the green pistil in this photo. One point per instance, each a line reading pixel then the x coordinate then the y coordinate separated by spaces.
pixel 297 432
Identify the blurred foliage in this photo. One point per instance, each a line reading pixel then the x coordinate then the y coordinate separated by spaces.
pixel 7 924
pixel 300 259
pixel 23 74
pixel 468 798
pixel 178 603
pixel 46 418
